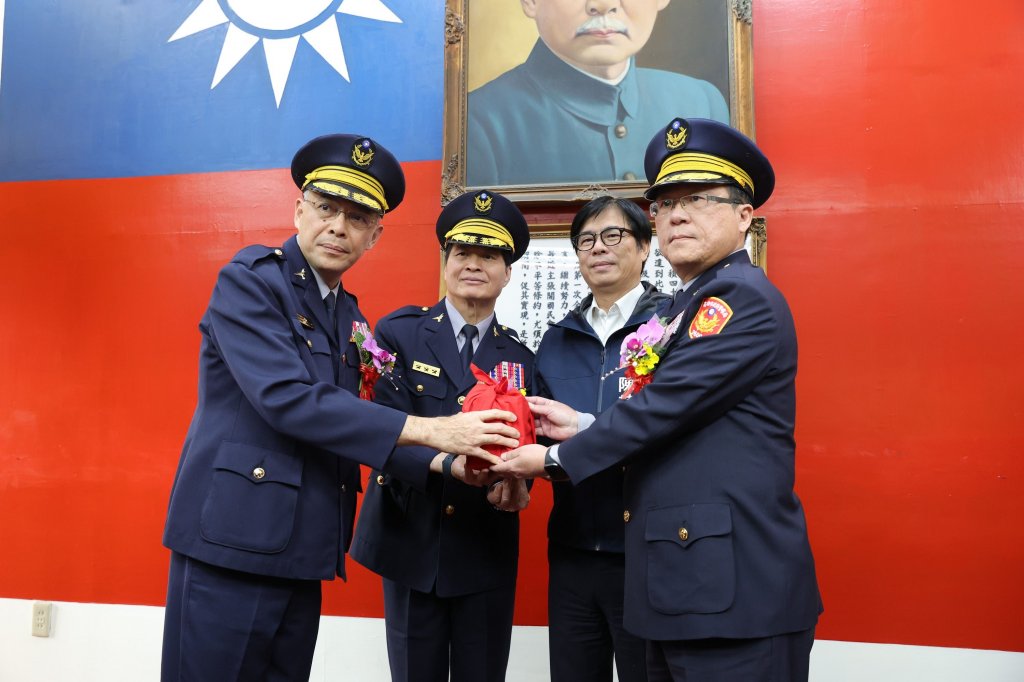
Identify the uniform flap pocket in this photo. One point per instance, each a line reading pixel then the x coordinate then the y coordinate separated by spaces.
pixel 258 464
pixel 421 384
pixel 686 524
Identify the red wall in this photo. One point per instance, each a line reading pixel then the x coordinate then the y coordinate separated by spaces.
pixel 896 232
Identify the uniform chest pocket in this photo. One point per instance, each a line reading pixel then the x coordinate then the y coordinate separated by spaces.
pixel 428 393
pixel 691 566
pixel 252 500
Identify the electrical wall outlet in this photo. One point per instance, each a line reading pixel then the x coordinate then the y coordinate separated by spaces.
pixel 41 612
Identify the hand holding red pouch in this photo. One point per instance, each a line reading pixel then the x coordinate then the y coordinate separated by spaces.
pixel 490 394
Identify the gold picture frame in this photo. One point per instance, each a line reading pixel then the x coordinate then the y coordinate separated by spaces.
pixel 500 41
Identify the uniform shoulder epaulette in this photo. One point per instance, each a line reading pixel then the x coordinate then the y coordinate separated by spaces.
pixel 251 254
pixel 511 333
pixel 409 311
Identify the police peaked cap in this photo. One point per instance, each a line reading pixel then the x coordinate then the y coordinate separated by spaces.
pixel 702 151
pixel 484 218
pixel 351 167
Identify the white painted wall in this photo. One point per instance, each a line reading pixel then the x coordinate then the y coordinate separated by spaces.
pixel 119 643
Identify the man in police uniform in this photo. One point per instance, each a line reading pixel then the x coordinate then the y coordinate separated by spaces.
pixel 719 574
pixel 576 364
pixel 263 500
pixel 573 111
pixel 447 555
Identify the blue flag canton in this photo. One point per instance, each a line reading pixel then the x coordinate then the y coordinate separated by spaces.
pixel 126 89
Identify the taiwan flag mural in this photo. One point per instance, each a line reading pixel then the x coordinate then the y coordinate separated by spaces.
pixel 117 89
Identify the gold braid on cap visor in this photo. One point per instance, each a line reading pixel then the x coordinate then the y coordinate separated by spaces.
pixel 698 166
pixel 481 232
pixel 348 176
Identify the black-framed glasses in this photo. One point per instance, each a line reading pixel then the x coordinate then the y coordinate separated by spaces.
pixel 327 211
pixel 610 236
pixel 691 203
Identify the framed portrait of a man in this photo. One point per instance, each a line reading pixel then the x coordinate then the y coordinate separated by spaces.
pixel 557 99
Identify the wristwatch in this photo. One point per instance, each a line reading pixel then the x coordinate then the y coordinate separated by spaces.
pixel 552 469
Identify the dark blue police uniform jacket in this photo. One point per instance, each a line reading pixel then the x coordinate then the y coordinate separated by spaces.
pixel 268 475
pixel 574 368
pixel 443 534
pixel 716 540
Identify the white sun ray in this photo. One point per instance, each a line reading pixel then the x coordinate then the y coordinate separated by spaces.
pixel 237 44
pixel 280 54
pixel 326 40
pixel 207 15
pixel 279 25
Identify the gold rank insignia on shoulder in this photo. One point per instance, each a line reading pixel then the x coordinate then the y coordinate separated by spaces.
pixel 710 318
pixel 439 318
pixel 675 136
pixel 301 274
pixel 418 366
pixel 482 202
pixel 362 152
pixel 303 320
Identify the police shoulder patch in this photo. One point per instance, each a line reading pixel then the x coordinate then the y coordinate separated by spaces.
pixel 710 318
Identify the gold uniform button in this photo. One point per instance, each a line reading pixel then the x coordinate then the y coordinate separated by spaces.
pixel 629 175
pixel 683 534
pixel 450 509
pixel 419 388
pixel 424 308
pixel 278 252
pixel 258 473
pixel 309 342
pixel 344 488
pixel 380 479
pixel 621 131
pixel 625 516
pixel 461 399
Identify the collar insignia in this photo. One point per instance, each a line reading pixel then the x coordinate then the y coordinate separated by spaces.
pixel 439 317
pixel 301 274
pixel 303 320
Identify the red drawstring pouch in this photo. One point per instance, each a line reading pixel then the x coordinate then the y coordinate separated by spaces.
pixel 490 394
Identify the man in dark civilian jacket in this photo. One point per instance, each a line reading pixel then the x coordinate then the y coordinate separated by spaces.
pixel 578 364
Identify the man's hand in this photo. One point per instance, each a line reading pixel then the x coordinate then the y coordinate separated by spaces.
pixel 509 495
pixel 552 418
pixel 469 476
pixel 463 433
pixel 524 462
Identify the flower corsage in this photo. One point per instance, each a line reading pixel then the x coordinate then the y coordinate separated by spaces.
pixel 374 361
pixel 641 351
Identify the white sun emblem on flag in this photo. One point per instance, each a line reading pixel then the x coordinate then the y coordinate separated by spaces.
pixel 279 25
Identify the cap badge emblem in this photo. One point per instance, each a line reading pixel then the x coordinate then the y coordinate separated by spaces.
pixel 675 136
pixel 362 153
pixel 482 202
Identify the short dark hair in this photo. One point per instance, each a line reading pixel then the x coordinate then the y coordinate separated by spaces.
pixel 737 193
pixel 636 220
pixel 446 251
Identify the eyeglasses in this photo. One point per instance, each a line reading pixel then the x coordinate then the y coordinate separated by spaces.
pixel 327 212
pixel 691 203
pixel 610 236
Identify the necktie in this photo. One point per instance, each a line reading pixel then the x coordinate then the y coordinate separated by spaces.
pixel 469 331
pixel 331 303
